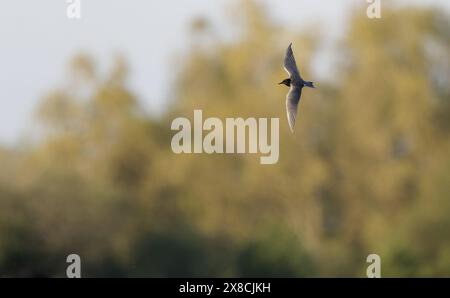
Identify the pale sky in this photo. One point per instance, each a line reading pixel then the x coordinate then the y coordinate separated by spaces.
pixel 37 39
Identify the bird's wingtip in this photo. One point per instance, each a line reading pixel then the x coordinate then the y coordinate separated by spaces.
pixel 291 128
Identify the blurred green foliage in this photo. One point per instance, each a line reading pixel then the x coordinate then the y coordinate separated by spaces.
pixel 367 171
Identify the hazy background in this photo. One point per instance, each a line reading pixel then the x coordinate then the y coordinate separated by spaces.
pixel 37 38
pixel 87 168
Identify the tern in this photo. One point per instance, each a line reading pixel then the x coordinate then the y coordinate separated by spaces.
pixel 295 84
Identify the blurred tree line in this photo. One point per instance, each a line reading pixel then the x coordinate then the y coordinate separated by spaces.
pixel 367 170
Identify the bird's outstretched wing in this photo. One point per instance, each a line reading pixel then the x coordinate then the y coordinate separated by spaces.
pixel 291 66
pixel 292 100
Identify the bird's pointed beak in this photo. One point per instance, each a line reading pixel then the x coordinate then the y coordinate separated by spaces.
pixel 280 83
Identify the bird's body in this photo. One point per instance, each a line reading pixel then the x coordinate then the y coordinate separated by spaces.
pixel 295 84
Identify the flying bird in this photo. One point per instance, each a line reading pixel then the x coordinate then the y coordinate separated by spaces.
pixel 295 84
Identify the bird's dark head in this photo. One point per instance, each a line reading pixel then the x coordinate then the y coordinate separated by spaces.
pixel 286 82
